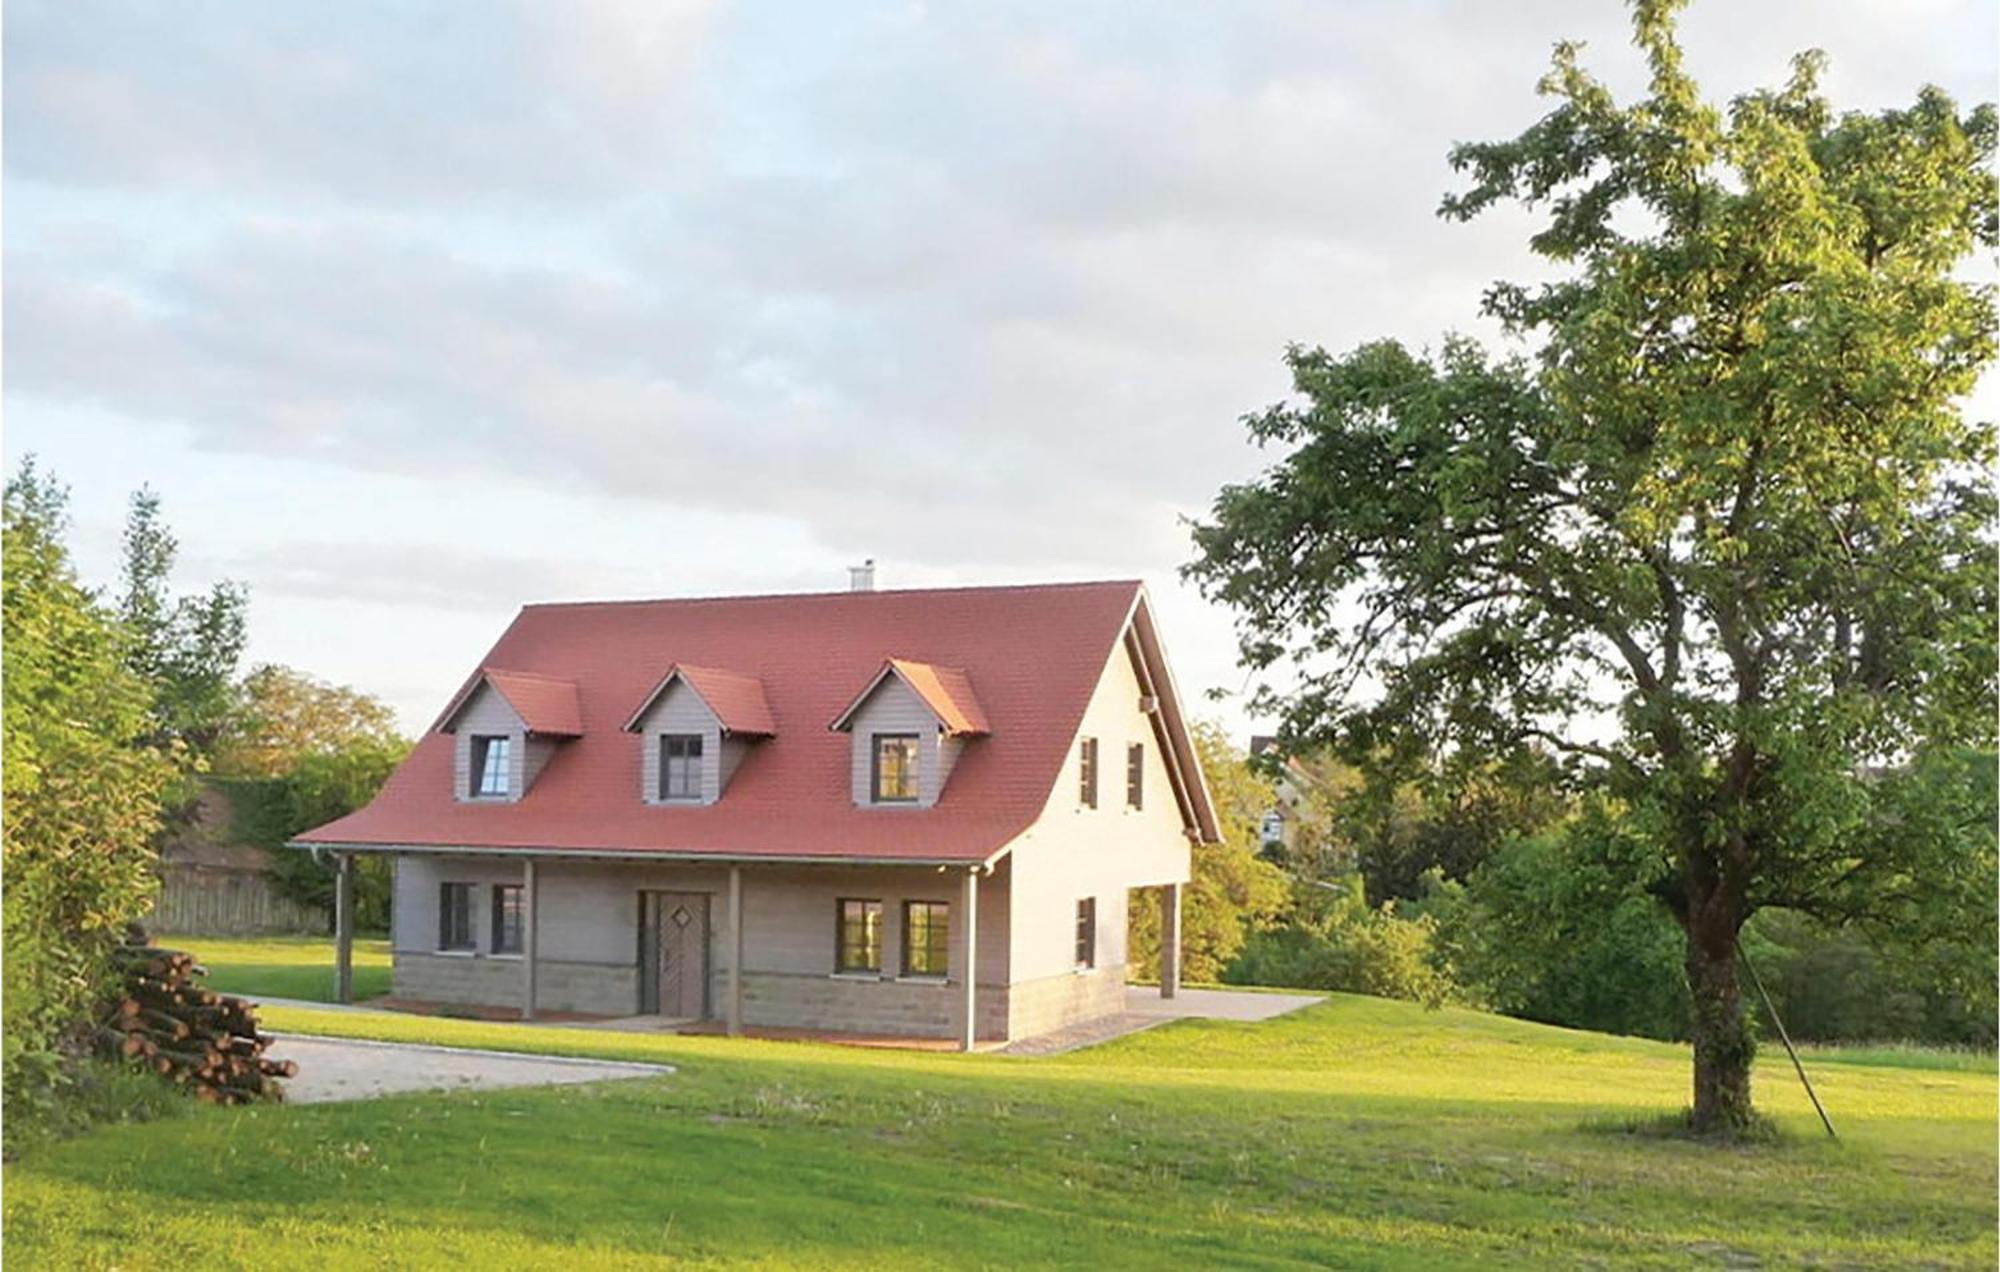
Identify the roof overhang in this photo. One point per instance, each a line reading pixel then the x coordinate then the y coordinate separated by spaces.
pixel 673 856
pixel 1141 640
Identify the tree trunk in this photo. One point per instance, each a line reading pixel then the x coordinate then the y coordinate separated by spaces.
pixel 1723 1045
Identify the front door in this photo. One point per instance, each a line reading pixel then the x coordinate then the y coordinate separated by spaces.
pixel 673 953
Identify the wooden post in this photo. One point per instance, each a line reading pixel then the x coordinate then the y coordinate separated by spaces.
pixel 969 908
pixel 733 1010
pixel 530 890
pixel 1170 940
pixel 343 928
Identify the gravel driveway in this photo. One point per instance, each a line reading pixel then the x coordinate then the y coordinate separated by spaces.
pixel 353 1069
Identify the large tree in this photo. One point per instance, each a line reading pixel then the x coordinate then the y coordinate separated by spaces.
pixel 1721 532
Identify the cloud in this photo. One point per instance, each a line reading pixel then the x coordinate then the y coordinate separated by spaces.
pixel 985 290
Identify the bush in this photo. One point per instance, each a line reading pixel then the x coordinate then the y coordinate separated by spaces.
pixel 83 799
pixel 1332 940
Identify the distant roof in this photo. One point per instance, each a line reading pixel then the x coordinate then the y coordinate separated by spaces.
pixel 1262 742
pixel 546 704
pixel 1035 653
pixel 737 701
pixel 945 690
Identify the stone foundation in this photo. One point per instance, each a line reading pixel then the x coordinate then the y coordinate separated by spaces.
pixel 839 1004
pixel 1057 1002
pixel 844 1004
pixel 484 981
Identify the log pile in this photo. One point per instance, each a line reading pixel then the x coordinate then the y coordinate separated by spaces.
pixel 192 1036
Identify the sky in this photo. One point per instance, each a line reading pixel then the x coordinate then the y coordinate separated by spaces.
pixel 414 313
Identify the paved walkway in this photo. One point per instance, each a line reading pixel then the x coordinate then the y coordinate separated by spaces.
pixel 353 1069
pixel 1144 1008
pixel 1213 1004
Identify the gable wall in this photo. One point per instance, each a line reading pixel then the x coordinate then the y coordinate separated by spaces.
pixel 1074 851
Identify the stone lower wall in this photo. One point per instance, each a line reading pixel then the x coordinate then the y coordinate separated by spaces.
pixel 475 981
pixel 1056 1002
pixel 916 1009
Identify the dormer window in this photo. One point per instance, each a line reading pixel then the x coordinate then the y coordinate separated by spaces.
pixel 680 765
pixel 697 726
pixel 895 768
pixel 910 723
pixel 490 771
pixel 507 726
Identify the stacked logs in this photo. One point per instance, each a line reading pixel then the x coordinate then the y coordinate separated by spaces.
pixel 190 1035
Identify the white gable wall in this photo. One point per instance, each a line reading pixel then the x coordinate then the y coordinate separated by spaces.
pixel 1074 852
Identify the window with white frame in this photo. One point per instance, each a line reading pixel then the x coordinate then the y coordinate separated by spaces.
pixel 680 766
pixel 491 775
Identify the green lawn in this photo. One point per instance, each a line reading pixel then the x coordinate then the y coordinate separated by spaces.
pixel 1358 1133
pixel 284 966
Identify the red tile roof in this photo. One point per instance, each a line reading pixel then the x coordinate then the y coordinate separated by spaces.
pixel 546 704
pixel 737 701
pixel 1036 654
pixel 945 690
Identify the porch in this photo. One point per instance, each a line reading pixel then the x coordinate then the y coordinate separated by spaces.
pixel 737 947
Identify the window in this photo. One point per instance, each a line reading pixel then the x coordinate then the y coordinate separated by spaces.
pixel 926 937
pixel 680 766
pixel 1087 763
pixel 895 768
pixel 489 765
pixel 455 916
pixel 1135 775
pixel 1086 932
pixel 859 935
pixel 507 918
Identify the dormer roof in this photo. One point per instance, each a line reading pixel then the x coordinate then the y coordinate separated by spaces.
pixel 735 700
pixel 945 690
pixel 547 705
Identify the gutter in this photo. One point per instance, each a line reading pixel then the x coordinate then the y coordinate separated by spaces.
pixel 667 855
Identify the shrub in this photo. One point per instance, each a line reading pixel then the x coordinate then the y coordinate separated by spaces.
pixel 1332 939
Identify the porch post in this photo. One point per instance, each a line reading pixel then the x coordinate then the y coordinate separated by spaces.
pixel 1170 940
pixel 969 907
pixel 343 928
pixel 530 907
pixel 733 1009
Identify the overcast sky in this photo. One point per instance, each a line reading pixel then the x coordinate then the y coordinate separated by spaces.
pixel 417 312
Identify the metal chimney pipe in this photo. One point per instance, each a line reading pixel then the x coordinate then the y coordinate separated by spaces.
pixel 861 578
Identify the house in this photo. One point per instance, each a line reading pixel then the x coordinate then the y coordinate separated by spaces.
pixel 1277 830
pixel 898 812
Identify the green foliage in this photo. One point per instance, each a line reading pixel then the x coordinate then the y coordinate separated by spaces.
pixel 1725 540
pixel 1232 891
pixel 1332 939
pixel 186 648
pixel 299 753
pixel 82 796
pixel 284 715
pixel 1554 928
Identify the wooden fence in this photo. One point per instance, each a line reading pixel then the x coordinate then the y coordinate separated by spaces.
pixel 229 903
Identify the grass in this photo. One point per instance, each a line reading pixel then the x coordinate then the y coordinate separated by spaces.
pixel 284 966
pixel 1358 1133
